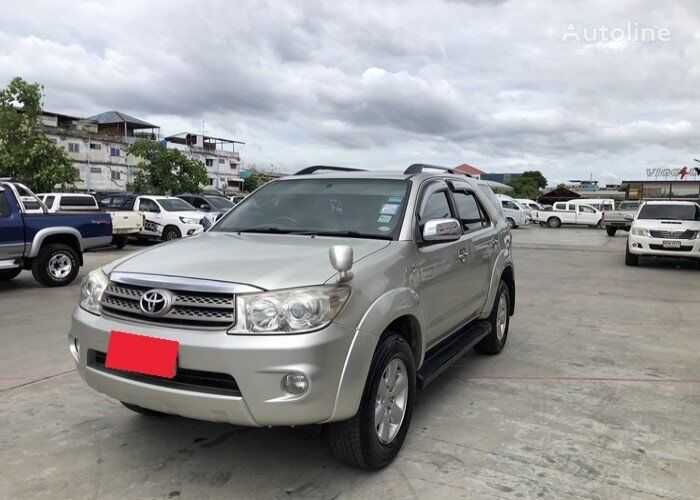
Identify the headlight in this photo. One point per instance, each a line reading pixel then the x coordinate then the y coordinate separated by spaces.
pixel 189 220
pixel 91 291
pixel 296 310
pixel 640 231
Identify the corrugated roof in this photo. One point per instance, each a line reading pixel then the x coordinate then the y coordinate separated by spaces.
pixel 468 169
pixel 119 117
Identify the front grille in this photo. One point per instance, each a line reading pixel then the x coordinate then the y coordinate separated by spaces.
pixel 673 235
pixel 661 247
pixel 186 380
pixel 189 309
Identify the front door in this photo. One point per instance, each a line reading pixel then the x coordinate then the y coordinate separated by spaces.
pixel 442 267
pixel 586 215
pixel 11 229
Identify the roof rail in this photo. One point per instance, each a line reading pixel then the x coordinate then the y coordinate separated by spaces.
pixel 311 170
pixel 417 168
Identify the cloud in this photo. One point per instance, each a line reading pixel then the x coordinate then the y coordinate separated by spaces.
pixel 389 83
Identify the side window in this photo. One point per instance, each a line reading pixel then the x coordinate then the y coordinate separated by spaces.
pixel 571 207
pixel 471 214
pixel 106 200
pixel 436 207
pixel 149 206
pixel 48 201
pixel 509 204
pixel 4 206
pixel 585 209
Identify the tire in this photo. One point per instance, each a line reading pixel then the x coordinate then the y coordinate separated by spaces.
pixel 144 411
pixel 554 222
pixel 356 442
pixel 8 274
pixel 119 242
pixel 495 341
pixel 56 265
pixel 511 223
pixel 611 230
pixel 171 233
pixel 630 258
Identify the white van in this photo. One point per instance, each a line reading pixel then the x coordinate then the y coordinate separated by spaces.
pixel 515 214
pixel 600 204
pixel 530 204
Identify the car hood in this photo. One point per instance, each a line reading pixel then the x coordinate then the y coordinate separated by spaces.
pixel 192 214
pixel 668 225
pixel 267 261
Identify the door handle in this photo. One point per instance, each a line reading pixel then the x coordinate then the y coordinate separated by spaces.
pixel 463 254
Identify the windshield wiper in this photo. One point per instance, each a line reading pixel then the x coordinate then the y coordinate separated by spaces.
pixel 347 234
pixel 265 230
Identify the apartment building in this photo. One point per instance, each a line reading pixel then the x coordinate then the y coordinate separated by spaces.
pixel 218 155
pixel 97 146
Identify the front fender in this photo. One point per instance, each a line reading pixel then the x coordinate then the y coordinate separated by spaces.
pixel 383 311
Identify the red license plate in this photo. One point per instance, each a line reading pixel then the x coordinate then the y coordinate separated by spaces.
pixel 141 354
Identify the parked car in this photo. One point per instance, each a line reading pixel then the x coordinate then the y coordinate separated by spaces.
pixel 214 206
pixel 600 204
pixel 124 224
pixel 321 299
pixel 236 199
pixel 665 229
pixel 515 214
pixel 165 217
pixel 51 245
pixel 530 204
pixel 620 219
pixel 571 213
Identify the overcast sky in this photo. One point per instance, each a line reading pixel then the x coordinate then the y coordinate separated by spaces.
pixel 501 85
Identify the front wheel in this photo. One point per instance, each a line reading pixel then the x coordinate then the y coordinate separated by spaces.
pixel 611 230
pixel 511 223
pixel 373 437
pixel 630 258
pixel 171 233
pixel 8 274
pixel 554 222
pixel 56 265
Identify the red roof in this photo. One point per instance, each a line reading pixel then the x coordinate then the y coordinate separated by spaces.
pixel 468 169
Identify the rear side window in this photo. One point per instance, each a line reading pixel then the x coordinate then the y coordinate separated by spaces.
pixel 4 206
pixel 471 214
pixel 509 204
pixel 147 205
pixel 48 201
pixel 583 208
pixel 436 207
pixel 77 201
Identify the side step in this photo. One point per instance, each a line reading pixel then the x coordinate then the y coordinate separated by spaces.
pixel 450 350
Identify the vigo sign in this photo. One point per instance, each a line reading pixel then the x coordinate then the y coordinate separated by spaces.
pixel 682 172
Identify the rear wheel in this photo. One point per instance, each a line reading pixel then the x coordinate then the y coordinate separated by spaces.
pixel 511 223
pixel 554 222
pixel 8 274
pixel 56 265
pixel 499 319
pixel 630 258
pixel 171 233
pixel 119 242
pixel 611 230
pixel 373 437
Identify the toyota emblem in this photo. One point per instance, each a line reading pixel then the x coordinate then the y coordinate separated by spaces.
pixel 156 302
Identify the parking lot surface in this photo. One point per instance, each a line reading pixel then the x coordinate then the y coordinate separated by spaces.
pixel 597 395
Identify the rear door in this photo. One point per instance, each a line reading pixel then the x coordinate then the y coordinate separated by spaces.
pixel 11 227
pixel 587 215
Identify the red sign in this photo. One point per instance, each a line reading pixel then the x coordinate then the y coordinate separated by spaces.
pixel 141 354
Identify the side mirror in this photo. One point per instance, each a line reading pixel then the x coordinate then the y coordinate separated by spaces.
pixel 442 230
pixel 205 207
pixel 341 260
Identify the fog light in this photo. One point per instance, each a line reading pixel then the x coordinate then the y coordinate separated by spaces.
pixel 191 232
pixel 74 348
pixel 295 384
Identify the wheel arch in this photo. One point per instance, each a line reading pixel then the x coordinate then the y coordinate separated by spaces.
pixel 63 235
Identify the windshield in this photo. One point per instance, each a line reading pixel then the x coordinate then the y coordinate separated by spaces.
pixel 219 202
pixel 670 212
pixel 359 208
pixel 175 205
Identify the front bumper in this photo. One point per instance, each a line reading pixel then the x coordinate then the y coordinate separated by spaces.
pixel 646 245
pixel 330 358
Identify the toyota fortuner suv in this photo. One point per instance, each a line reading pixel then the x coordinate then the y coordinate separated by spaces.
pixel 322 298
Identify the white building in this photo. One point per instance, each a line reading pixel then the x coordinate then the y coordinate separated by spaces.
pixel 218 155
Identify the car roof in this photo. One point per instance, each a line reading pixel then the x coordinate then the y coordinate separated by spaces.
pixel 670 202
pixel 383 174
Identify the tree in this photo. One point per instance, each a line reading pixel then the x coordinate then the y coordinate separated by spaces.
pixel 166 171
pixel 539 179
pixel 253 181
pixel 524 187
pixel 26 154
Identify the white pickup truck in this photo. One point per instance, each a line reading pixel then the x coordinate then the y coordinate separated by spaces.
pixel 165 217
pixel 573 213
pixel 124 224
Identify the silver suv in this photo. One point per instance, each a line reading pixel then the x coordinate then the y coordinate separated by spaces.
pixel 322 298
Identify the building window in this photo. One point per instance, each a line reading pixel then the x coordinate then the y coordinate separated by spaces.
pixel 94 145
pixel 95 170
pixel 73 147
pixel 211 182
pixel 114 152
pixel 222 160
pixel 54 140
pixel 116 175
pixel 209 162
